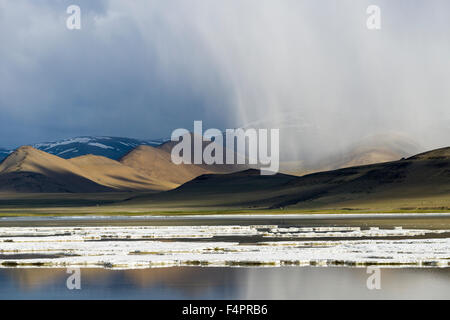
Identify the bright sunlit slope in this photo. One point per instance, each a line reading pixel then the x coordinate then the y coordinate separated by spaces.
pixel 116 175
pixel 156 163
pixel 31 170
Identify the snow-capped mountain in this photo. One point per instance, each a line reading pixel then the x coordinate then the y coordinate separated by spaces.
pixel 110 147
pixel 4 153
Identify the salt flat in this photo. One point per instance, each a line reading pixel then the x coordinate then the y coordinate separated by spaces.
pixel 129 247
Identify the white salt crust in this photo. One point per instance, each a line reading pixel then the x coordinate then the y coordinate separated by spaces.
pixel 163 246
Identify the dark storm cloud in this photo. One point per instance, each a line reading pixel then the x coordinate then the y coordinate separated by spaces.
pixel 144 68
pixel 108 78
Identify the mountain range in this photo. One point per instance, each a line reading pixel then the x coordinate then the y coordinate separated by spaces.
pixel 30 170
pixel 110 147
pixel 143 168
pixel 107 164
pixel 4 153
pixel 370 176
pixel 421 181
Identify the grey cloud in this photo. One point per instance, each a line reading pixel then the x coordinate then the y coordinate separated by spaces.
pixel 144 68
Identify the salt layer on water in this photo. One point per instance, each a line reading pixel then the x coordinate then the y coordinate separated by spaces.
pixel 157 246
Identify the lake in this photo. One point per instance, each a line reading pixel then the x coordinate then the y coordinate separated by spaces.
pixel 226 283
pixel 235 257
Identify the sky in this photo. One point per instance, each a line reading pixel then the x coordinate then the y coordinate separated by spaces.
pixel 143 68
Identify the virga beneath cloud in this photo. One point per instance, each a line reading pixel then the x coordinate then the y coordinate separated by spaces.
pixel 144 68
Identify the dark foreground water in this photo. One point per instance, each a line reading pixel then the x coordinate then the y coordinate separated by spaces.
pixel 226 283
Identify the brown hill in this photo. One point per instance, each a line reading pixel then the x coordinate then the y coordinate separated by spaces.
pixel 143 169
pixel 370 150
pixel 157 164
pixel 421 181
pixel 375 149
pixel 438 154
pixel 113 174
pixel 31 170
pixel 214 168
pixel 217 190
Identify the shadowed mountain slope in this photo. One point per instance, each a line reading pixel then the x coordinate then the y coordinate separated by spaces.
pixel 116 175
pixel 31 170
pixel 216 190
pixel 157 164
pixel 213 168
pixel 407 182
pixel 145 168
pixel 370 150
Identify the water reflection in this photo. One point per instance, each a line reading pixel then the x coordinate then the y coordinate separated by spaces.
pixel 226 283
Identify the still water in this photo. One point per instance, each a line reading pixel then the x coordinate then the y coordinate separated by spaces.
pixel 117 254
pixel 226 283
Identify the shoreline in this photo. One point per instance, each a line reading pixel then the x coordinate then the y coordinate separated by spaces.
pixel 229 216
